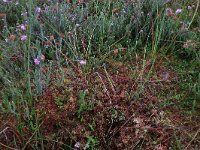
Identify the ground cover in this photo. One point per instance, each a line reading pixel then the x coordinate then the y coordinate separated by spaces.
pixel 102 74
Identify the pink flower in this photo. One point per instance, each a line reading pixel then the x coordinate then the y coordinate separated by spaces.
pixel 178 11
pixel 189 7
pixel 185 45
pixel 23 27
pixel 82 62
pixel 36 61
pixel 77 145
pixel 23 37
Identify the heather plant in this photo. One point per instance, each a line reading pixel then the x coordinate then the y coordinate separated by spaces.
pixel 99 74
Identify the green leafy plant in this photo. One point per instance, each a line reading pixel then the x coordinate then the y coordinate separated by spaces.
pixel 83 104
pixel 91 142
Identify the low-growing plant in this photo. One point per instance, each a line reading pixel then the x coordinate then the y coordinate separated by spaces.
pixel 120 62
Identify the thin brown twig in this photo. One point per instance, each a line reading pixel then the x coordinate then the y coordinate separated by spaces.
pixel 5 146
pixel 106 90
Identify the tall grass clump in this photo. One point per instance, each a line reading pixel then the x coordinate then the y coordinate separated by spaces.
pixel 80 74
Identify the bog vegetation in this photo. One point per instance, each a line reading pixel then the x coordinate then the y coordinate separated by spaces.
pixel 99 74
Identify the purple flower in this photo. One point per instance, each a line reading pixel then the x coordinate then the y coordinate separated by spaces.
pixel 36 61
pixel 38 9
pixel 23 27
pixel 189 7
pixel 82 62
pixel 77 145
pixel 178 11
pixel 23 37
